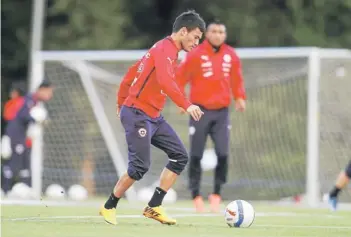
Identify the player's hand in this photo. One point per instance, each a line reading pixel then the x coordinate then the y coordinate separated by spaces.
pixel 240 105
pixel 181 110
pixel 118 112
pixel 195 112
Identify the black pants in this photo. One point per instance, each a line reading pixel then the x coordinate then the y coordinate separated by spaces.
pixel 17 167
pixel 216 124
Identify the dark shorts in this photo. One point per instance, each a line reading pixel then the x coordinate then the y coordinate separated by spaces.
pixel 142 131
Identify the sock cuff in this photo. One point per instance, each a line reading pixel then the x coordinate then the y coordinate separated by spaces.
pixel 114 196
pixel 161 190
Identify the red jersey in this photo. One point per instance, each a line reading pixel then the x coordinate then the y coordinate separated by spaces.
pixel 149 81
pixel 213 76
pixel 12 107
pixel 10 111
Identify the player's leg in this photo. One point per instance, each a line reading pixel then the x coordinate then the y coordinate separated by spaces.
pixel 220 136
pixel 138 135
pixel 198 131
pixel 167 140
pixel 341 182
pixel 25 170
pixel 11 167
pixel 7 175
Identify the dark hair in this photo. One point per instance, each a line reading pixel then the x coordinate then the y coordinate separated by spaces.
pixel 45 84
pixel 215 22
pixel 18 90
pixel 189 19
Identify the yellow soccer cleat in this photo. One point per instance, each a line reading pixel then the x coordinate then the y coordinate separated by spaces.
pixel 158 214
pixel 109 215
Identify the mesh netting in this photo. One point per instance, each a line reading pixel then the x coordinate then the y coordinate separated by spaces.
pixel 268 141
pixel 335 122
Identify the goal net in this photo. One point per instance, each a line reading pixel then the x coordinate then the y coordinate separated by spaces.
pixel 270 146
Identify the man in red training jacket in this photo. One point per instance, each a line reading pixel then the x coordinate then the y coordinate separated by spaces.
pixel 12 106
pixel 16 155
pixel 214 72
pixel 141 98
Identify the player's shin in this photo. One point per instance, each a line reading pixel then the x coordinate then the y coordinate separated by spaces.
pixel 154 209
pixel 167 180
pixel 220 174
pixel 341 182
pixel 195 173
pixel 220 178
pixel 121 187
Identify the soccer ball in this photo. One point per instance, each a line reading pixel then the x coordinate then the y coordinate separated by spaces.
pixel 145 194
pixel 171 196
pixel 55 191
pixel 21 191
pixel 209 160
pixel 239 213
pixel 77 193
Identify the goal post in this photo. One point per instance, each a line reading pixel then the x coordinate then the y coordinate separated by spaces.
pixel 278 146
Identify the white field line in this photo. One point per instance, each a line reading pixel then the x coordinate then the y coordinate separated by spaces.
pixel 307 226
pixel 259 214
pixel 6 201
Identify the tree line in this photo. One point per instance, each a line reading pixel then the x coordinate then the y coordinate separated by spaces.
pixel 126 24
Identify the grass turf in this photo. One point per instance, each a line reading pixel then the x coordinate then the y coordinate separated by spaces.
pixel 83 221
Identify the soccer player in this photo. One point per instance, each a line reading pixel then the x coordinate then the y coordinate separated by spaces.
pixel 341 182
pixel 13 106
pixel 17 158
pixel 141 97
pixel 214 72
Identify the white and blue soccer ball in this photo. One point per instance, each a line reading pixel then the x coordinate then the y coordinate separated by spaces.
pixel 239 214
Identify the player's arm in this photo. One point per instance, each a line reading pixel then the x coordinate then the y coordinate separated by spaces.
pixel 126 83
pixel 237 84
pixel 12 107
pixel 183 72
pixel 9 110
pixel 166 78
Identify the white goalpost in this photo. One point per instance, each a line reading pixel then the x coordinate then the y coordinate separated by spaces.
pixel 291 141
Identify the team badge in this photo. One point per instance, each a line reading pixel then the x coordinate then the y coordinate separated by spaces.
pixel 19 149
pixel 142 132
pixel 204 57
pixel 227 58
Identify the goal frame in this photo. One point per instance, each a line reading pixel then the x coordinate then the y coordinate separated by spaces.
pixel 313 54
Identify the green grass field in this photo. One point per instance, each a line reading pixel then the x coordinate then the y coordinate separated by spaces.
pixel 46 220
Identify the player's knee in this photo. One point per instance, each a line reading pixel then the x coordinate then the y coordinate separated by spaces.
pixel 137 172
pixel 7 172
pixel 195 162
pixel 348 170
pixel 178 162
